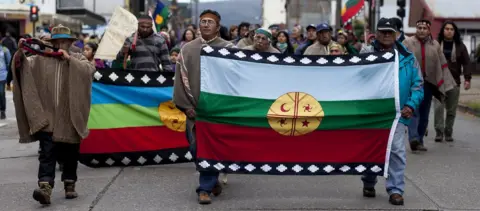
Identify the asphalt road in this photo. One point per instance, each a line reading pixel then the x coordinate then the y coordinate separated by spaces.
pixel 447 177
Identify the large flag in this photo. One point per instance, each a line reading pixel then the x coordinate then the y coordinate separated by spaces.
pixel 133 121
pixel 263 113
pixel 160 15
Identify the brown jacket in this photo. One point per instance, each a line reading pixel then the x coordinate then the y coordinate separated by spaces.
pixel 433 64
pixel 52 95
pixel 187 74
pixel 458 61
pixel 317 49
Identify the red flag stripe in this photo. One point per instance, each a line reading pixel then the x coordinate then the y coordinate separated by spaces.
pixel 223 142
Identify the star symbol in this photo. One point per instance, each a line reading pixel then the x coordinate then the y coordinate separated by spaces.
pixel 305 123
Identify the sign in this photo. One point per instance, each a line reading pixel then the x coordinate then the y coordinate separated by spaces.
pixel 121 26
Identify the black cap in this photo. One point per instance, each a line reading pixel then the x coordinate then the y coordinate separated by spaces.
pixel 398 23
pixel 311 26
pixel 386 24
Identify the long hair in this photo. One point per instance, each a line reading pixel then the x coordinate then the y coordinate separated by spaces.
pixel 289 49
pixel 456 33
pixel 184 36
pixel 224 33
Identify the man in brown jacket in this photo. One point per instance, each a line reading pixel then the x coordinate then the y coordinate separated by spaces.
pixel 437 77
pixel 52 105
pixel 187 91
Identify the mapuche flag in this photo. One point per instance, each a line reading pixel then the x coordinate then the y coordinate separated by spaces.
pixel 160 15
pixel 133 121
pixel 263 113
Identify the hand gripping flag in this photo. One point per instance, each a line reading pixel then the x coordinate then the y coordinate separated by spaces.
pixel 133 121
pixel 264 113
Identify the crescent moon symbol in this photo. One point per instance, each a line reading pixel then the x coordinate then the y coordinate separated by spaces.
pixel 283 109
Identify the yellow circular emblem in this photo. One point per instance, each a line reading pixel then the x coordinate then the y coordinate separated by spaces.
pixel 295 114
pixel 171 117
pixel 158 19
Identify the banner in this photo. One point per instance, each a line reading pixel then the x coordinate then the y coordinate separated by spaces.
pixel 133 121
pixel 121 26
pixel 264 113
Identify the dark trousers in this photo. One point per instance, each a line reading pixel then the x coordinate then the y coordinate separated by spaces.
pixel 3 98
pixel 207 179
pixel 419 123
pixel 50 153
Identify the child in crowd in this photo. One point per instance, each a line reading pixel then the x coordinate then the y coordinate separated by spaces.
pixel 89 51
pixel 173 57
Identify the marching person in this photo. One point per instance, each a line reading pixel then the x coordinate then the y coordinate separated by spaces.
pixel 324 38
pixel 187 91
pixel 151 52
pixel 56 111
pixel 458 59
pixel 5 58
pixel 438 80
pixel 262 42
pixel 411 95
pixel 310 40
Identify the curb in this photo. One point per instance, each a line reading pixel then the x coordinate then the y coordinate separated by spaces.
pixel 469 110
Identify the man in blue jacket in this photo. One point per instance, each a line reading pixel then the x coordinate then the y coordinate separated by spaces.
pixel 411 95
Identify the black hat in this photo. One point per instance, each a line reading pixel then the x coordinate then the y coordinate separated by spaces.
pixel 398 23
pixel 386 24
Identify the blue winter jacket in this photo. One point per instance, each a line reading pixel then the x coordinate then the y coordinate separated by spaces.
pixel 410 77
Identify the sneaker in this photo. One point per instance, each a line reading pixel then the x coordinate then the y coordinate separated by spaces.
pixel 449 139
pixel 3 115
pixel 438 138
pixel 369 192
pixel 396 199
pixel 204 198
pixel 69 186
pixel 43 193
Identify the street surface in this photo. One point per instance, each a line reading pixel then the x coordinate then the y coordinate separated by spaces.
pixel 447 177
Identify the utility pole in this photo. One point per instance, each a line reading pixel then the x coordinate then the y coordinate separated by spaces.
pixel 174 9
pixel 338 15
pixel 377 16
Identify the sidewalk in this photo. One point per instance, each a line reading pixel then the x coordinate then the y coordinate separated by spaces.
pixel 470 99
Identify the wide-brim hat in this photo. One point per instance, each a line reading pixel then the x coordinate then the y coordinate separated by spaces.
pixel 61 32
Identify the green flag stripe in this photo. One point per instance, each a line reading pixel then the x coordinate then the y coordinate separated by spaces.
pixel 364 114
pixel 104 116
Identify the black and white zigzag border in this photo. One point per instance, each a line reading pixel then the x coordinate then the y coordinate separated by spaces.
pixel 290 168
pixel 281 59
pixel 133 77
pixel 143 158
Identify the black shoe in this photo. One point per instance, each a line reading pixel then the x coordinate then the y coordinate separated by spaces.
pixel 438 138
pixel 217 189
pixel 3 115
pixel 421 148
pixel 396 199
pixel 449 139
pixel 414 145
pixel 369 192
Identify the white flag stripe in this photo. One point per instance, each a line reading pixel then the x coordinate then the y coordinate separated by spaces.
pixel 267 81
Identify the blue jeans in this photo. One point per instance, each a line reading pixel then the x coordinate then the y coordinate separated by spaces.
pixel 419 123
pixel 396 167
pixel 207 179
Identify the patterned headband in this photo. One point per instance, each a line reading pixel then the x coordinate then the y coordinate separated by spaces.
pixel 424 23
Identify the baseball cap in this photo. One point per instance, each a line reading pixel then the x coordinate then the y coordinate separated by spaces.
pixel 323 26
pixel 311 26
pixel 386 24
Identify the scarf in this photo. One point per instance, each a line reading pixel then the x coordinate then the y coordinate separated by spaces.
pixel 282 46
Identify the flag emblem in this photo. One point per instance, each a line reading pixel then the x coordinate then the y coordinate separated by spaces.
pixel 295 114
pixel 173 118
pixel 158 19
